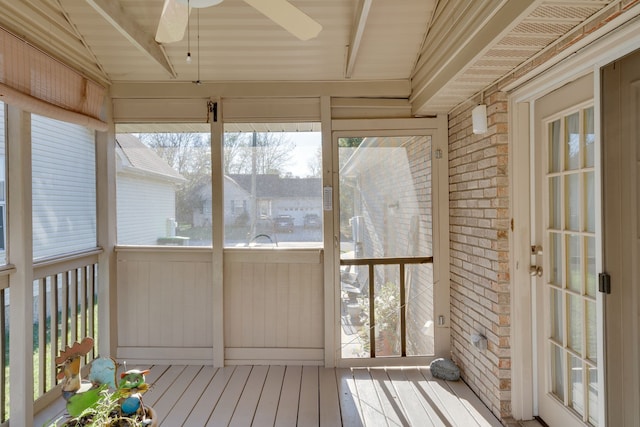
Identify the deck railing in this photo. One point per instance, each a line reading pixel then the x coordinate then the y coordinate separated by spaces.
pixel 371 263
pixel 65 293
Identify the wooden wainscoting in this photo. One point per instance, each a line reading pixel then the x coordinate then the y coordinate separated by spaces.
pixel 273 306
pixel 165 305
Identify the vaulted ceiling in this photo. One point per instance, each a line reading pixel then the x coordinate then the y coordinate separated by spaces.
pixel 447 50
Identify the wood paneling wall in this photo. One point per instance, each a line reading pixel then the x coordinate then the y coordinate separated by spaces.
pixel 273 306
pixel 165 305
pixel 273 303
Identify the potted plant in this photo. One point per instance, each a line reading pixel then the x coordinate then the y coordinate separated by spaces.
pixel 100 400
pixel 387 320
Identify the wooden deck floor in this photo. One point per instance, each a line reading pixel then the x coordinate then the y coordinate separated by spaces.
pixel 243 396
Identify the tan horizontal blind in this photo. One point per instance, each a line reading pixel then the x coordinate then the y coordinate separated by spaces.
pixel 32 73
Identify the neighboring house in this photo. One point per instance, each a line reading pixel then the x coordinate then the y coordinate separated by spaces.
pixel 238 201
pixel 284 196
pixel 274 196
pixel 146 183
pixel 64 188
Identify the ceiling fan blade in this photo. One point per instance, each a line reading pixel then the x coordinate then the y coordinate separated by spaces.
pixel 173 22
pixel 288 17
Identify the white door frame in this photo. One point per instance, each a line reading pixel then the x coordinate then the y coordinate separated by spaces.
pixel 438 129
pixel 521 107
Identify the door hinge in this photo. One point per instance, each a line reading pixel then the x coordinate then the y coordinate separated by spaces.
pixel 604 283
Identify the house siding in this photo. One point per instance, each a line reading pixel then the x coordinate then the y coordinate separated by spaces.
pixel 396 212
pixel 144 206
pixel 64 187
pixel 479 255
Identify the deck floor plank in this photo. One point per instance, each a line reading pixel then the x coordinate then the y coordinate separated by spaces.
pixel 369 402
pixel 428 398
pixel 165 404
pixel 415 412
pixel 282 396
pixel 308 409
pixel 223 412
pixel 388 398
pixel 210 398
pixel 474 405
pixel 56 411
pixel 287 414
pixel 329 401
pixel 248 403
pixel 349 402
pixel 449 401
pixel 268 405
pixel 160 386
pixel 189 398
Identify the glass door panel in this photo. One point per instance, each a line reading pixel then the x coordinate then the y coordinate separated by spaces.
pixel 571 279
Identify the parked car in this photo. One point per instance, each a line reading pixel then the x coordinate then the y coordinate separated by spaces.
pixel 284 223
pixel 312 221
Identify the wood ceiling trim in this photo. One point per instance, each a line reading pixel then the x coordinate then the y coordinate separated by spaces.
pixel 356 37
pixel 113 13
pixel 175 90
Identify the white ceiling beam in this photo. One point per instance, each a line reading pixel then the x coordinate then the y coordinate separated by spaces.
pixel 397 89
pixel 356 36
pixel 450 61
pixel 112 12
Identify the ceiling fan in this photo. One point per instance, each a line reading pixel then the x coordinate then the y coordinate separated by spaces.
pixel 175 16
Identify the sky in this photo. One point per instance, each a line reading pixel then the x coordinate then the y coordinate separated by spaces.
pixel 307 144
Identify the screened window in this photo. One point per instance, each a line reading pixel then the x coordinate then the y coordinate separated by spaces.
pixel 163 184
pixel 64 187
pixel 272 185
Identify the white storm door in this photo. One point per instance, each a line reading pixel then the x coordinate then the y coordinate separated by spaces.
pixel 568 304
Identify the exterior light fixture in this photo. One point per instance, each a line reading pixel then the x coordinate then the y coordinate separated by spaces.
pixel 479 119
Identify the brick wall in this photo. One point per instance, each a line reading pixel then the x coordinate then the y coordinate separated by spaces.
pixel 397 213
pixel 479 215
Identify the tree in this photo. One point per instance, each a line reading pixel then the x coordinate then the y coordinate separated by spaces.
pixel 273 152
pixel 186 153
pixel 315 164
pixel 190 155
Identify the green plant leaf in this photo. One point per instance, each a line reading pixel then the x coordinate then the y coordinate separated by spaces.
pixel 79 402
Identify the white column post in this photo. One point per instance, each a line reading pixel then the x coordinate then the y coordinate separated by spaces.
pixel 20 254
pixel 106 239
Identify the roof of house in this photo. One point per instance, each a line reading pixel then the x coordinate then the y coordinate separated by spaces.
pixel 271 186
pixel 143 159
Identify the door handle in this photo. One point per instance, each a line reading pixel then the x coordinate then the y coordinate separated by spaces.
pixel 535 270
